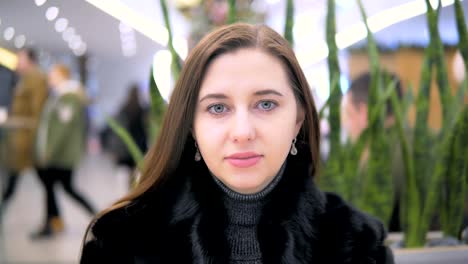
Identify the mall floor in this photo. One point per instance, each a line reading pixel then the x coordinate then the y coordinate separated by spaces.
pixel 102 182
pixel 98 178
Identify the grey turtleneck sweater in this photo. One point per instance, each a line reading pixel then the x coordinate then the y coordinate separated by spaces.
pixel 243 215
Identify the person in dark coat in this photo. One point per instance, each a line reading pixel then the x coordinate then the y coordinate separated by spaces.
pixel 231 177
pixel 29 97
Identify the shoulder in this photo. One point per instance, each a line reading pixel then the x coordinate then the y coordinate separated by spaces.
pixel 109 236
pixel 356 234
pixel 337 210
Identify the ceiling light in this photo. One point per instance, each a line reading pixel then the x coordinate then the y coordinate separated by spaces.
pixel 61 24
pixel 40 2
pixel 75 38
pixel 129 53
pixel 75 45
pixel 81 50
pixel 68 34
pixel 128 46
pixel 9 33
pixel 52 13
pixel 20 41
pixel 127 38
pixel 124 28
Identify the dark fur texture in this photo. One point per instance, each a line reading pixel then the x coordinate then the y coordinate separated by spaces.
pixel 184 222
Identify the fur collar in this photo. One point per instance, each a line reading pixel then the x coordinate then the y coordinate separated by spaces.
pixel 184 223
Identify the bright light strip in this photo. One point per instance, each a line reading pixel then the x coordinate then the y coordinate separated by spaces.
pixel 383 20
pixel 124 28
pixel 181 46
pixel 61 24
pixel 315 53
pixel 40 2
pixel 377 22
pixel 135 20
pixel 162 72
pixel 52 13
pixel 9 59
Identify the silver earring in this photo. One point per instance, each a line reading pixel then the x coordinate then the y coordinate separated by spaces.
pixel 197 153
pixel 293 147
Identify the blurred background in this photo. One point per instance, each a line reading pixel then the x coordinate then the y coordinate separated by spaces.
pixel 112 47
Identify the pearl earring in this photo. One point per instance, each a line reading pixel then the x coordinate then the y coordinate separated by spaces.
pixel 293 148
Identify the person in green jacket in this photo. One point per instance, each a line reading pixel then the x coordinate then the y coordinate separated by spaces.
pixel 60 142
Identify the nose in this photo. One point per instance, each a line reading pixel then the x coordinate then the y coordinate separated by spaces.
pixel 242 127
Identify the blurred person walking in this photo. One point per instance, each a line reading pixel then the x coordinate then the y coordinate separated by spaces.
pixel 132 117
pixel 28 99
pixel 8 81
pixel 60 144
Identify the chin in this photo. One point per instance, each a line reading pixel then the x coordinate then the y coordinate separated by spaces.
pixel 246 186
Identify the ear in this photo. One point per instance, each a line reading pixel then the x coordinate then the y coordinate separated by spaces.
pixel 192 132
pixel 299 120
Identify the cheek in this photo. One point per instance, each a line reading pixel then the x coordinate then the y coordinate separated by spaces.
pixel 208 134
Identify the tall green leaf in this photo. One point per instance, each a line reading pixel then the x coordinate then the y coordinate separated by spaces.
pixel 332 178
pixel 176 65
pixel 441 65
pixel 288 26
pixel 377 184
pixel 453 193
pixel 232 13
pixel 158 108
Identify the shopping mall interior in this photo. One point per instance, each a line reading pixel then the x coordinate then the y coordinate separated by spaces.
pixel 116 50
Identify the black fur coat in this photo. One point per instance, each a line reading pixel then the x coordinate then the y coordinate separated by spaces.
pixel 184 222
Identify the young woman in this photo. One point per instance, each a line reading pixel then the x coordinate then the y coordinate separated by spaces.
pixel 231 178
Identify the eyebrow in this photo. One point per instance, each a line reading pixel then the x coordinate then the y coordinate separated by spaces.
pixel 257 93
pixel 268 92
pixel 214 96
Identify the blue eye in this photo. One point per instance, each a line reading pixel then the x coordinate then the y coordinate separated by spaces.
pixel 217 109
pixel 266 105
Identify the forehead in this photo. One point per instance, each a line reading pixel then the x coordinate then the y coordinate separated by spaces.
pixel 244 70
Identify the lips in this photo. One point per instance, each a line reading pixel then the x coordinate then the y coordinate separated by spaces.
pixel 244 160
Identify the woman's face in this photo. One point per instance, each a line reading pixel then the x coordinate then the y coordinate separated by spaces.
pixel 246 118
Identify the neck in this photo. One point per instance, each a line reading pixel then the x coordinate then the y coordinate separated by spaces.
pixel 254 196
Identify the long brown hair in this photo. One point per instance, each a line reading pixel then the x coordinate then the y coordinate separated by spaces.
pixel 175 137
